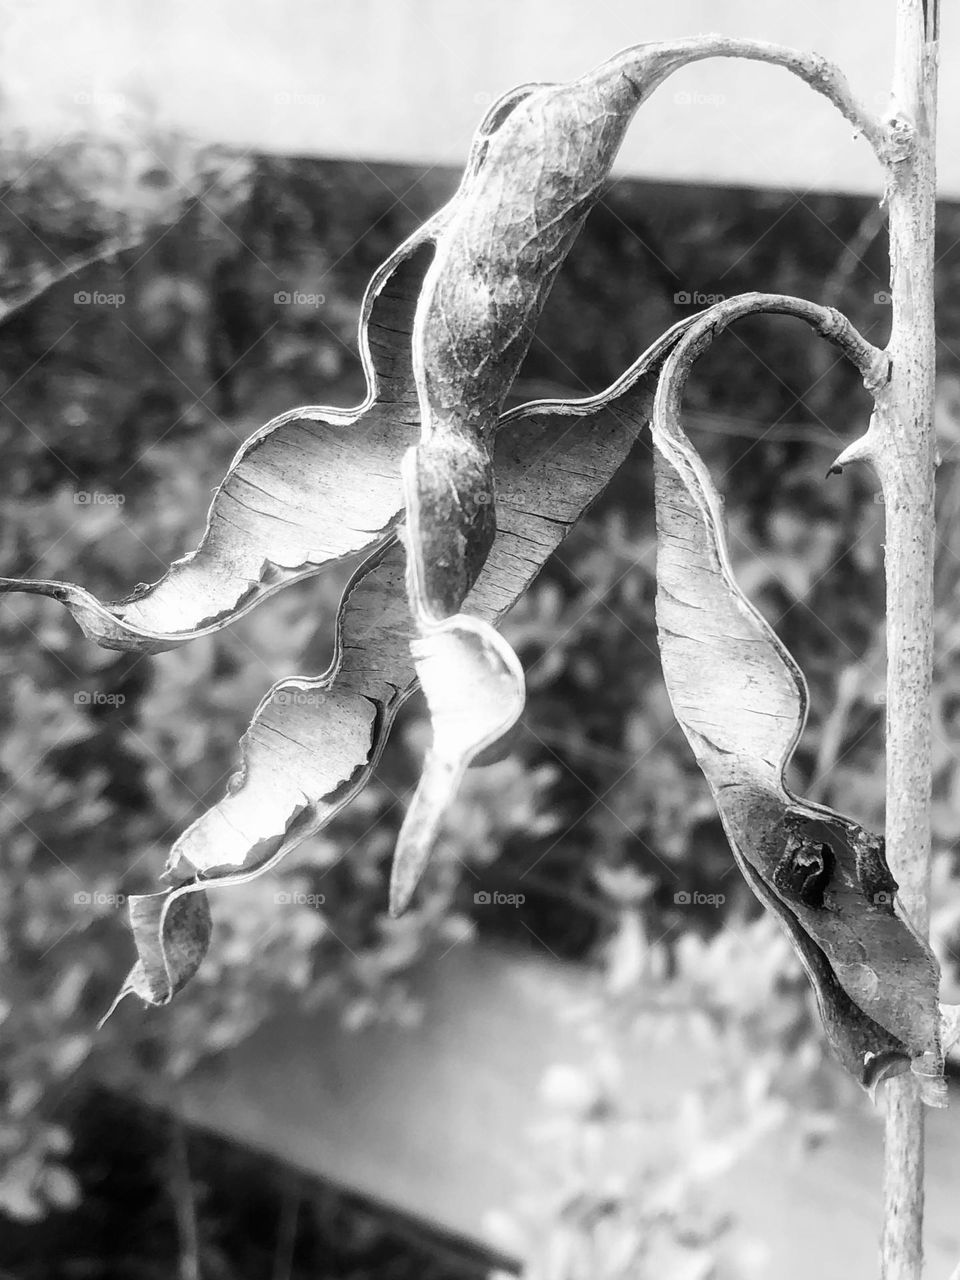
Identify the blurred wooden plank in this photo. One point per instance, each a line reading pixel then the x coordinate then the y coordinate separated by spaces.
pixel 437 1120
pixel 407 80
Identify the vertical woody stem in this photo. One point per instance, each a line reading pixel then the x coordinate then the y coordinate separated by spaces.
pixel 905 461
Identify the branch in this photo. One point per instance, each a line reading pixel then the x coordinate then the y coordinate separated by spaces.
pixel 905 460
pixel 820 74
pixel 827 322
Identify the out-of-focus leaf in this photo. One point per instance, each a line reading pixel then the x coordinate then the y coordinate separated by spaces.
pixel 741 701
pixel 314 743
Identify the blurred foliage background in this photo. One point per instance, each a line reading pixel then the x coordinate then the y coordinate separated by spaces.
pixel 125 389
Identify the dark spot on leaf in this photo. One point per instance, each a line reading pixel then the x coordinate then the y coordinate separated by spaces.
pixel 805 870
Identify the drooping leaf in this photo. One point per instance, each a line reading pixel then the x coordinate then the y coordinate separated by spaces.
pixel 545 165
pixel 314 743
pixel 473 683
pixel 546 159
pixel 540 162
pixel 173 934
pixel 291 501
pixel 742 701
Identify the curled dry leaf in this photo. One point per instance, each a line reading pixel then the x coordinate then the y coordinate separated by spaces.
pixel 445 325
pixel 173 934
pixel 742 701
pixel 473 683
pixel 313 744
pixel 290 502
pixel 545 162
pixel 540 165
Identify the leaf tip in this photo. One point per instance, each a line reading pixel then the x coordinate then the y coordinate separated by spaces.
pixel 126 990
pixel 403 882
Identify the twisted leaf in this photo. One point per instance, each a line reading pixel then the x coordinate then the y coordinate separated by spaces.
pixel 314 743
pixel 742 702
pixel 290 504
pixel 544 167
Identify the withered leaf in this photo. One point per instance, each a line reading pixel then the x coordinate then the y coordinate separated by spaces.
pixel 290 502
pixel 473 683
pixel 540 166
pixel 331 730
pixel 173 934
pixel 742 701
pixel 545 165
pixel 446 323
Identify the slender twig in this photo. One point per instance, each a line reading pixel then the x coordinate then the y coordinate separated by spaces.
pixel 820 74
pixel 872 363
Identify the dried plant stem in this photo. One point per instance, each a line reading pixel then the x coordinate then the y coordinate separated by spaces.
pixel 820 74
pixel 904 457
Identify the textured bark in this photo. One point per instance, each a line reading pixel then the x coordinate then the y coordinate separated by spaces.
pixel 905 461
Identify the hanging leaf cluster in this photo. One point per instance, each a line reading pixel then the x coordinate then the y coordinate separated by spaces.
pixel 455 505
